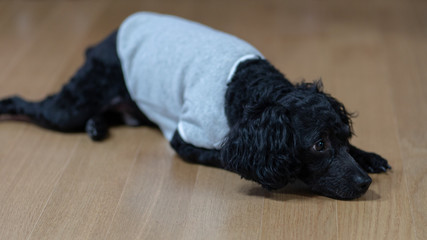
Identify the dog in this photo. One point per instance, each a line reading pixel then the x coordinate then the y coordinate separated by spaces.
pixel 216 99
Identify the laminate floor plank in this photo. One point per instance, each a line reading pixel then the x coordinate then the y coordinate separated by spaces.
pixel 369 54
pixel 406 57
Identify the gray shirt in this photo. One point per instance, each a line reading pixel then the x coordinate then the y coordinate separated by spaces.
pixel 177 73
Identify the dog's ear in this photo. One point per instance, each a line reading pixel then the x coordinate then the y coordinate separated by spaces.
pixel 339 108
pixel 260 147
pixel 345 116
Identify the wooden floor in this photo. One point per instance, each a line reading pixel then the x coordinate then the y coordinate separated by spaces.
pixel 371 55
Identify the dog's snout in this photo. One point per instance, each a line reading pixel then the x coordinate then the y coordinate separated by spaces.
pixel 362 182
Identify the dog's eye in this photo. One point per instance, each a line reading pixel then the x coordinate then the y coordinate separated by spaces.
pixel 319 146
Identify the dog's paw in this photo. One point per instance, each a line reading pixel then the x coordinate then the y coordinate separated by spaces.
pixel 373 163
pixel 96 130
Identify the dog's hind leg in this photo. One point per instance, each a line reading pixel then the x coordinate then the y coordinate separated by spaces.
pixel 49 113
pixel 95 98
pixel 87 93
pixel 16 108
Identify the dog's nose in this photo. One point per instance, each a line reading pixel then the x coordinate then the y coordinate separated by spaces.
pixel 362 183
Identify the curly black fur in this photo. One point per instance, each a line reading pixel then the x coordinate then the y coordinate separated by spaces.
pixel 260 127
pixel 275 126
pixel 94 98
pixel 279 132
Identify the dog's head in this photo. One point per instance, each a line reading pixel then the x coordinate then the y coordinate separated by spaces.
pixel 302 134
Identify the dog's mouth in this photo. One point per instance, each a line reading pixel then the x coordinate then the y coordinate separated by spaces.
pixel 341 195
pixel 345 188
pixel 345 191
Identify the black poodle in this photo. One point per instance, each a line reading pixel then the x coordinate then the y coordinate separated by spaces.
pixel 277 132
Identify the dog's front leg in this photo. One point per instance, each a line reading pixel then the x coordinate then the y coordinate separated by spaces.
pixel 194 154
pixel 370 162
